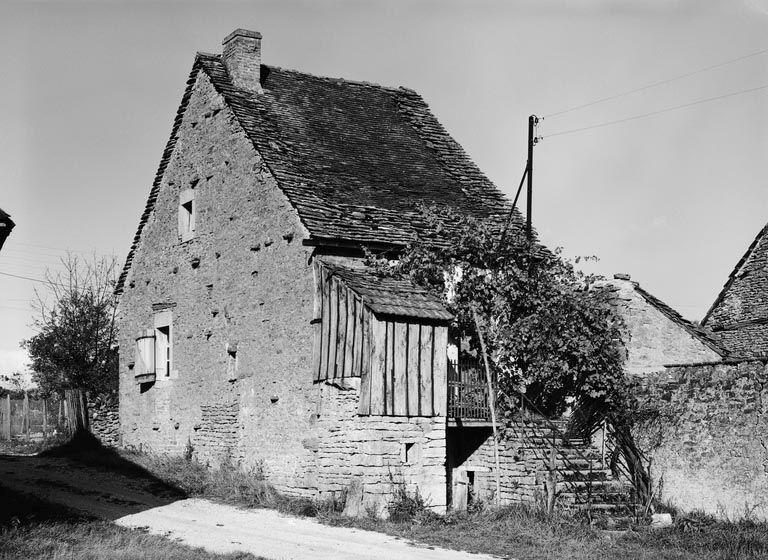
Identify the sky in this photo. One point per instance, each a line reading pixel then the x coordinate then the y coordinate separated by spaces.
pixel 89 91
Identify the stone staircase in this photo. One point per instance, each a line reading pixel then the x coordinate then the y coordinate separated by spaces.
pixel 584 480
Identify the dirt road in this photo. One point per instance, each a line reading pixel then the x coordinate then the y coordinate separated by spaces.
pixel 122 492
pixel 221 528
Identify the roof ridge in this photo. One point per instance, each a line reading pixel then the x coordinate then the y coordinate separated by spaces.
pixel 361 83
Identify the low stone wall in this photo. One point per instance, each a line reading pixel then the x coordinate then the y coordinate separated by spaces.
pixel 368 457
pixel 104 419
pixel 705 430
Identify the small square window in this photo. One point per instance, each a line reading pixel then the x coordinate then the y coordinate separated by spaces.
pixel 187 214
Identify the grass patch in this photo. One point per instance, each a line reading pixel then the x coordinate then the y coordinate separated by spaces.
pixel 228 484
pixel 36 530
pixel 524 532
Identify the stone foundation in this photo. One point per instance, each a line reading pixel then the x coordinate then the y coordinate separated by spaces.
pixel 368 457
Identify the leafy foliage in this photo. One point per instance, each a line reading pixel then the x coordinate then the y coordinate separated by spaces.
pixel 548 332
pixel 74 344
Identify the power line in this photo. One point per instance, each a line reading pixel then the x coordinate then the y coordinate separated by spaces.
pixel 655 84
pixel 30 278
pixel 660 111
pixel 62 249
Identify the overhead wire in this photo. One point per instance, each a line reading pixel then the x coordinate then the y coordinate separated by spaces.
pixel 657 112
pixel 656 84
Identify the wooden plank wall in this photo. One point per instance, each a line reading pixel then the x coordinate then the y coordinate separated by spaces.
pixel 407 375
pixel 338 336
pixel 402 363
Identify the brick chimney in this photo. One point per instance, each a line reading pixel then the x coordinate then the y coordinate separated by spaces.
pixel 242 57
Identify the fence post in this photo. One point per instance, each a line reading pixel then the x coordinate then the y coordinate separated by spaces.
pixel 7 418
pixel 25 412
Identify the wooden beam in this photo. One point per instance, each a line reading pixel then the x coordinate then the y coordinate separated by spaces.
pixel 326 324
pixel 317 318
pixel 341 329
pixel 378 342
pixel 425 369
pixel 440 371
pixel 364 404
pixel 400 332
pixel 413 370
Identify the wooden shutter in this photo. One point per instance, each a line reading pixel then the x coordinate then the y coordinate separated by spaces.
pixel 145 354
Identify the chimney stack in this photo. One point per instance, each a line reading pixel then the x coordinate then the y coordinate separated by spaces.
pixel 242 57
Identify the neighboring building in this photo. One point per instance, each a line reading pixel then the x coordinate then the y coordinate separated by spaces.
pixel 739 315
pixel 6 225
pixel 249 327
pixel 657 335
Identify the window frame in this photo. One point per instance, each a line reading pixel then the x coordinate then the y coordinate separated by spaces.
pixel 187 214
pixel 163 324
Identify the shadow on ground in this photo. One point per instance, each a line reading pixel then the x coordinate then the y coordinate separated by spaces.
pixel 80 478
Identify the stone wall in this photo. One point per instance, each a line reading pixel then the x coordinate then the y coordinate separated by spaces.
pixel 654 339
pixel 367 457
pixel 104 419
pixel 240 294
pixel 706 435
pixel 523 458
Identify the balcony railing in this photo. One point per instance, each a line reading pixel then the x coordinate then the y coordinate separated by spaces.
pixel 467 390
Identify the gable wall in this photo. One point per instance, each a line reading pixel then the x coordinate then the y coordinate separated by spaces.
pixel 654 340
pixel 253 287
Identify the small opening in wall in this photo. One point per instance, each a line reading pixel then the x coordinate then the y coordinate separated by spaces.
pixel 411 452
pixel 232 363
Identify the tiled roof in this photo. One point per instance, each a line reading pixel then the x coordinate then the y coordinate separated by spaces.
pixel 355 159
pixel 740 312
pixel 674 316
pixel 386 295
pixel 6 225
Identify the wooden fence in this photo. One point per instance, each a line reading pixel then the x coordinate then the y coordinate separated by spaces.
pixel 34 419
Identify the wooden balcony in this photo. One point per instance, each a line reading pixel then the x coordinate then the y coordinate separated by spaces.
pixel 467 394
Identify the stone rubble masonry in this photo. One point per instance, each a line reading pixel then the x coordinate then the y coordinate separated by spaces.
pixel 104 419
pixel 708 447
pixel 241 295
pixel 654 340
pixel 244 282
pixel 367 457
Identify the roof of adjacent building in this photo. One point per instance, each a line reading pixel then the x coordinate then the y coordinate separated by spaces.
pixel 386 295
pixel 6 225
pixel 355 159
pixel 697 332
pixel 694 330
pixel 739 314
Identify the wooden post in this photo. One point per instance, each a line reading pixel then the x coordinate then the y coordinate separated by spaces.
pixel 491 406
pixel 45 418
pixel 7 418
pixel 25 412
pixel 551 480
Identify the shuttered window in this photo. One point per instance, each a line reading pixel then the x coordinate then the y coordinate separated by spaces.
pixel 145 354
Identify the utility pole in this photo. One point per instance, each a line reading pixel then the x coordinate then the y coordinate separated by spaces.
pixel 533 120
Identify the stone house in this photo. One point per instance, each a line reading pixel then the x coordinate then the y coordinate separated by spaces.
pixel 656 334
pixel 249 328
pixel 739 315
pixel 6 225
